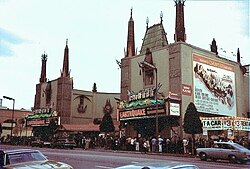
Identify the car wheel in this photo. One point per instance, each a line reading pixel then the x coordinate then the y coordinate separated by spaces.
pixel 233 159
pixel 243 161
pixel 214 159
pixel 203 156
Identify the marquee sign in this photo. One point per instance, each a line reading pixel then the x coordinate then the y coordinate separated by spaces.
pixel 226 123
pixel 142 94
pixel 41 122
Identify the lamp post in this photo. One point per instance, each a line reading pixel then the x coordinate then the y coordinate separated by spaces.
pixel 151 66
pixel 12 117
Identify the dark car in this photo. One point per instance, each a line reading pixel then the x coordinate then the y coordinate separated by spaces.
pixel 225 151
pixel 159 165
pixel 40 143
pixel 28 159
pixel 63 143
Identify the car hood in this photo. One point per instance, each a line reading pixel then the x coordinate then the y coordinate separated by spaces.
pixel 40 165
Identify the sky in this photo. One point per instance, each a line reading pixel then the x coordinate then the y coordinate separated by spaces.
pixel 97 35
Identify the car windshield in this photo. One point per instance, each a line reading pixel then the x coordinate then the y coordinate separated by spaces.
pixel 240 147
pixel 25 157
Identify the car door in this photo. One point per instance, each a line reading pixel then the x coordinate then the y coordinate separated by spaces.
pixel 226 151
pixel 214 151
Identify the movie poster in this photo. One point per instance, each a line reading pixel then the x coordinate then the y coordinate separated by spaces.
pixel 214 86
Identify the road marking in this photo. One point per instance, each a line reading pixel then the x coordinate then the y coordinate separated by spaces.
pixel 134 162
pixel 99 166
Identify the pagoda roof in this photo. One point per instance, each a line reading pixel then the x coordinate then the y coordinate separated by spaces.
pixel 155 37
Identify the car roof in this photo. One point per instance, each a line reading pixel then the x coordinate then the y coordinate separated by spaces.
pixel 16 151
pixel 223 142
pixel 156 165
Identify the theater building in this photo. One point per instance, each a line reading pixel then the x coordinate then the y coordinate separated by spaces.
pixel 72 109
pixel 175 74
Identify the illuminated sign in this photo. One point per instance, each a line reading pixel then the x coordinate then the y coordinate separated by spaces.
pixel 132 113
pixel 41 122
pixel 43 110
pixel 174 109
pixel 145 93
pixel 213 86
pixel 186 89
pixel 36 123
pixel 226 124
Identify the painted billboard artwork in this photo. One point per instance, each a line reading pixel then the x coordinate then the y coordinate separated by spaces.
pixel 214 86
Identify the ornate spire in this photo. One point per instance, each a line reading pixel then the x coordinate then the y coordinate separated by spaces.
pixel 238 55
pixel 65 70
pixel 179 22
pixel 43 78
pixel 130 39
pixel 147 21
pixel 213 47
pixel 161 16
pixel 94 88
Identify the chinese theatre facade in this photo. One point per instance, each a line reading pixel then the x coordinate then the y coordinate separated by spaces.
pixel 159 82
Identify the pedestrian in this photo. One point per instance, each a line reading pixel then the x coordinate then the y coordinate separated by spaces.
pixel 185 145
pixel 160 140
pixel 154 144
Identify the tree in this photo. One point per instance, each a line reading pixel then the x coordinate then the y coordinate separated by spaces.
pixel 192 123
pixel 107 124
pixel 52 127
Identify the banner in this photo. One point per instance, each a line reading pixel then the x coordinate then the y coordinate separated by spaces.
pixel 214 86
pixel 226 124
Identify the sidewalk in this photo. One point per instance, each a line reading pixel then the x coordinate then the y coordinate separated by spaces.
pixel 139 152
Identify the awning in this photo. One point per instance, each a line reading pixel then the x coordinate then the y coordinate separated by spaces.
pixel 82 127
pixel 79 127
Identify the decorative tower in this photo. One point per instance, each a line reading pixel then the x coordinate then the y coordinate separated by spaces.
pixel 42 79
pixel 126 61
pixel 131 38
pixel 213 47
pixel 179 22
pixel 238 55
pixel 65 70
pixel 64 90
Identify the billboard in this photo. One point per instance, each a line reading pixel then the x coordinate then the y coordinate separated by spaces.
pixel 213 86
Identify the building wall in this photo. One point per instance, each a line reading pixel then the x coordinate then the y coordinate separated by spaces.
pixel 160 59
pixel 175 67
pixel 93 104
pixel 242 92
pixel 6 114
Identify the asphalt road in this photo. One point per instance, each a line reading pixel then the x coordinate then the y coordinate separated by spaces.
pixel 101 159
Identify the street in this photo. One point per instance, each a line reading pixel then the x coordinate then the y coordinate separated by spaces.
pixel 107 159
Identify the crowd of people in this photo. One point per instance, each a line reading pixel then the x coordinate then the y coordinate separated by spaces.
pixel 152 144
pixel 141 144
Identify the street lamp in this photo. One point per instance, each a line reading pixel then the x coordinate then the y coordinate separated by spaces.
pixel 12 117
pixel 145 64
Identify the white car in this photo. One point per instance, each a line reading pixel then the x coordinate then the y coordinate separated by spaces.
pixel 28 159
pixel 225 151
pixel 159 165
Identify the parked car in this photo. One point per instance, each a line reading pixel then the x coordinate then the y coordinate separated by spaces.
pixel 159 165
pixel 225 151
pixel 63 143
pixel 39 143
pixel 28 159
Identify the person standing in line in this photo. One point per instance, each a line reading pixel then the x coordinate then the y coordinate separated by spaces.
pixel 160 140
pixel 185 145
pixel 154 144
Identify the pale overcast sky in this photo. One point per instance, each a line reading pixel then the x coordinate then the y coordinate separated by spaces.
pixel 97 32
